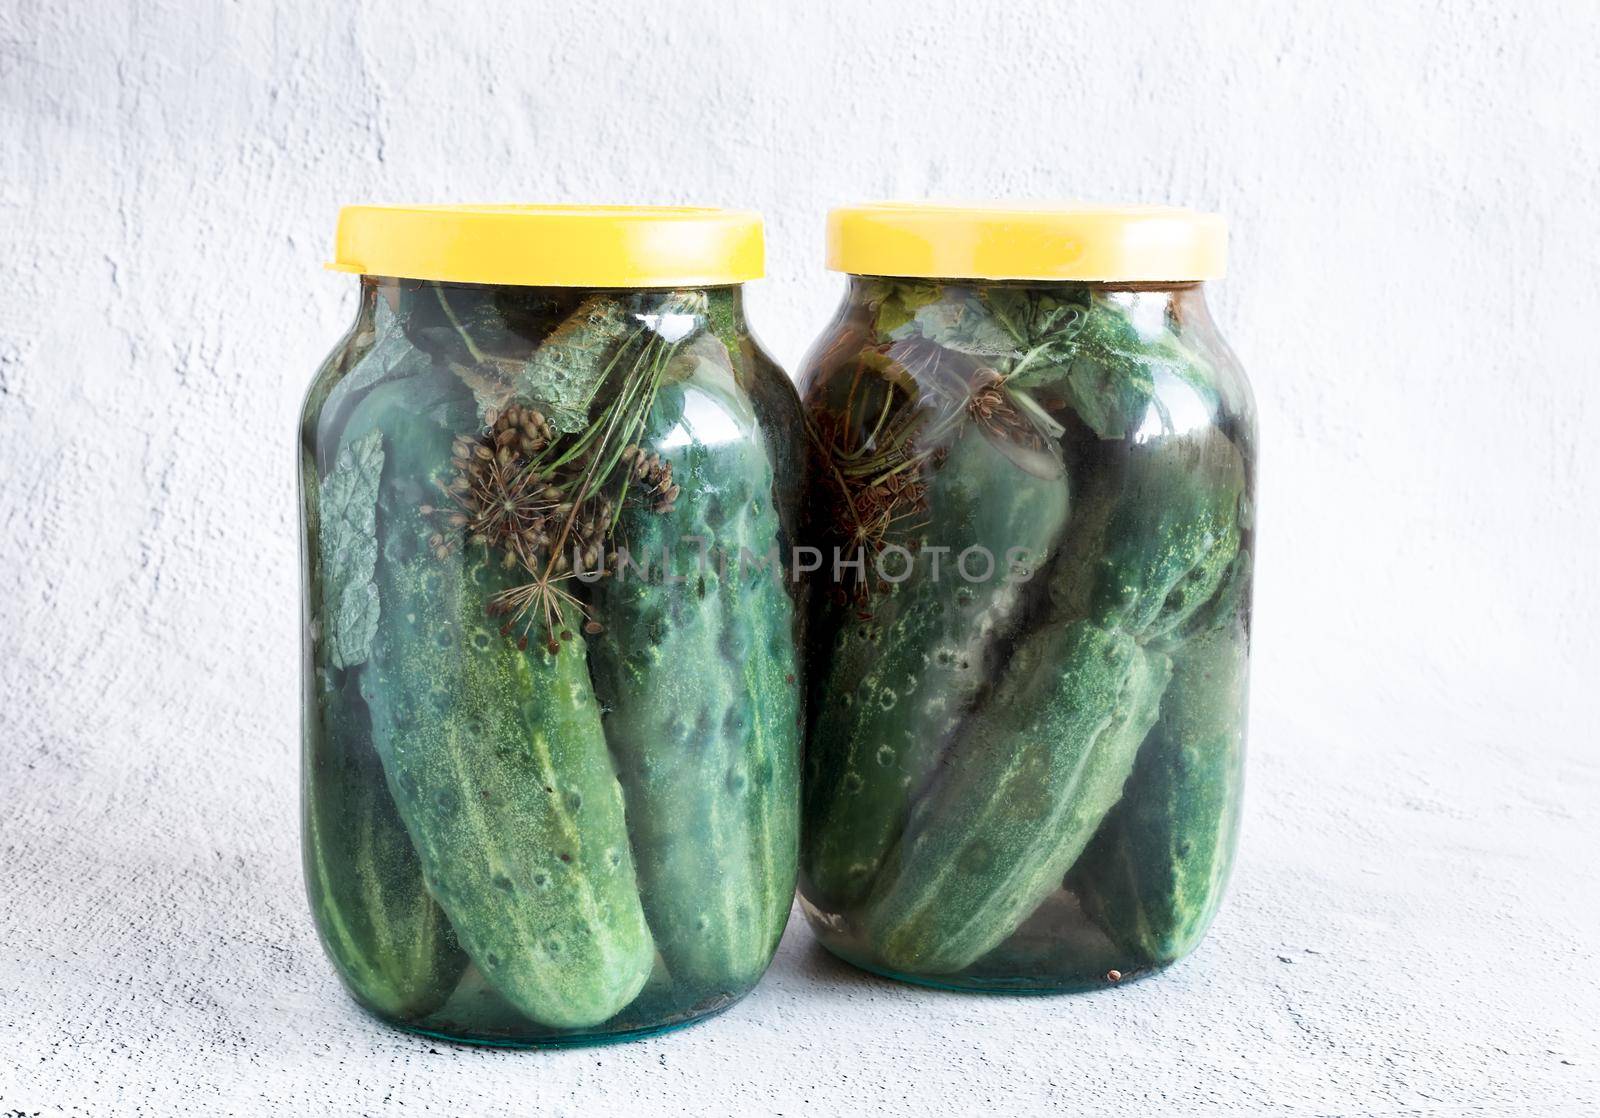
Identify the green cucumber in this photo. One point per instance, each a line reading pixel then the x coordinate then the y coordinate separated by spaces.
pixel 1154 875
pixel 1154 531
pixel 498 764
pixel 699 679
pixel 1016 799
pixel 900 680
pixel 390 942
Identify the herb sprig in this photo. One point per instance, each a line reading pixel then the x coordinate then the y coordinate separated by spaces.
pixel 545 490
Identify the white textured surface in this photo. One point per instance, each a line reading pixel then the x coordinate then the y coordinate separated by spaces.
pixel 1414 289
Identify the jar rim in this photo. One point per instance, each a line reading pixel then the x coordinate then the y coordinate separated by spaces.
pixel 1107 243
pixel 552 245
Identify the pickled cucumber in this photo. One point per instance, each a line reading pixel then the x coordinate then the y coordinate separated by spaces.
pixel 498 765
pixel 1154 875
pixel 1022 790
pixel 390 941
pixel 699 675
pixel 905 669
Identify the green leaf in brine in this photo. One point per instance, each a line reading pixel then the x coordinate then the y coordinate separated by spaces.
pixel 459 325
pixel 1043 330
pixel 1100 360
pixel 895 304
pixel 964 327
pixel 349 551
pixel 389 353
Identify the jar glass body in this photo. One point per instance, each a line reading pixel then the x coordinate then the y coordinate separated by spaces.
pixel 1029 640
pixel 550 746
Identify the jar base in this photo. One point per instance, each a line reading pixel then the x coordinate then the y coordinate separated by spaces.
pixel 1031 985
pixel 588 1040
pixel 1057 950
pixel 575 1040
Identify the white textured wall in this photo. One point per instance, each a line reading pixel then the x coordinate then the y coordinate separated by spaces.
pixel 1412 189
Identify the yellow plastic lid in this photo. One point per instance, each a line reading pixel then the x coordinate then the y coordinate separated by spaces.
pixel 552 245
pixel 1072 241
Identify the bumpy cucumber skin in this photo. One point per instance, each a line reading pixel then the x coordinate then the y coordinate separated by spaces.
pixel 389 941
pixel 1017 798
pixel 1157 554
pixel 498 765
pixel 1153 535
pixel 1154 876
pixel 898 683
pixel 700 682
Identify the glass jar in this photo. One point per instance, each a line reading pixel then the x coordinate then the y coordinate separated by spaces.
pixel 551 746
pixel 1033 478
